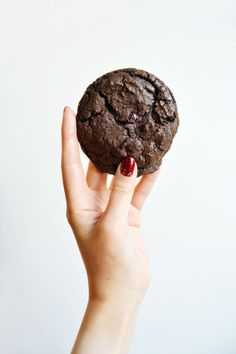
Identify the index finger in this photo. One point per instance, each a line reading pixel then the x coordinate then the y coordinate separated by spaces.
pixel 72 170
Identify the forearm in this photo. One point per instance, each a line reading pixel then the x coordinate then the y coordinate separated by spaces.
pixel 106 327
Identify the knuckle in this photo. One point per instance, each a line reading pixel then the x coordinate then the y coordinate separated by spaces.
pixel 120 189
pixel 70 215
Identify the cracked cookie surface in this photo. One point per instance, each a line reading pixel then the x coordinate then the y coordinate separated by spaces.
pixel 127 112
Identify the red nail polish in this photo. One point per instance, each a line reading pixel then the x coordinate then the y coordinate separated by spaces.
pixel 127 166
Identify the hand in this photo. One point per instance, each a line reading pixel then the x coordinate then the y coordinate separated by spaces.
pixel 106 223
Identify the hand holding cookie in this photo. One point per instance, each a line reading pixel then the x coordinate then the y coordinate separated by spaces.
pixel 106 225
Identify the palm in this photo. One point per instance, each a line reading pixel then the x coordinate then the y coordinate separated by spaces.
pixel 92 205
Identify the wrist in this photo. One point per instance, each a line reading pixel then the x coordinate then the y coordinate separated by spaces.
pixel 114 308
pixel 117 300
pixel 106 327
pixel 119 295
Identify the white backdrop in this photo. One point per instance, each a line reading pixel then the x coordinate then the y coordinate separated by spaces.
pixel 50 51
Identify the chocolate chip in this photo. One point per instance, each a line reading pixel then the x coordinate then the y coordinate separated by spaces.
pixel 132 118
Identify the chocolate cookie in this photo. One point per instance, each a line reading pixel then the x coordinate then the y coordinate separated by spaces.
pixel 127 112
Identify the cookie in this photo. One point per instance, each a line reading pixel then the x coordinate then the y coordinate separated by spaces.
pixel 127 112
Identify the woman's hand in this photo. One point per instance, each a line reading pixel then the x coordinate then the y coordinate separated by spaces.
pixel 106 225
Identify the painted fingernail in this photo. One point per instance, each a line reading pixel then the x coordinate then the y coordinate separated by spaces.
pixel 127 166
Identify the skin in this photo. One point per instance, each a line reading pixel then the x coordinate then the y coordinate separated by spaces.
pixel 106 224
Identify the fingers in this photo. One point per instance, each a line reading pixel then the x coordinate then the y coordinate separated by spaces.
pixel 72 170
pixel 95 179
pixel 143 189
pixel 116 213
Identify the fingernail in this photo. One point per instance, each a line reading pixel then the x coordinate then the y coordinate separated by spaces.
pixel 67 107
pixel 127 166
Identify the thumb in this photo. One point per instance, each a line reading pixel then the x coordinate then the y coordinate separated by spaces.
pixel 122 189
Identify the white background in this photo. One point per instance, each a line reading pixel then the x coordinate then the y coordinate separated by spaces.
pixel 50 52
